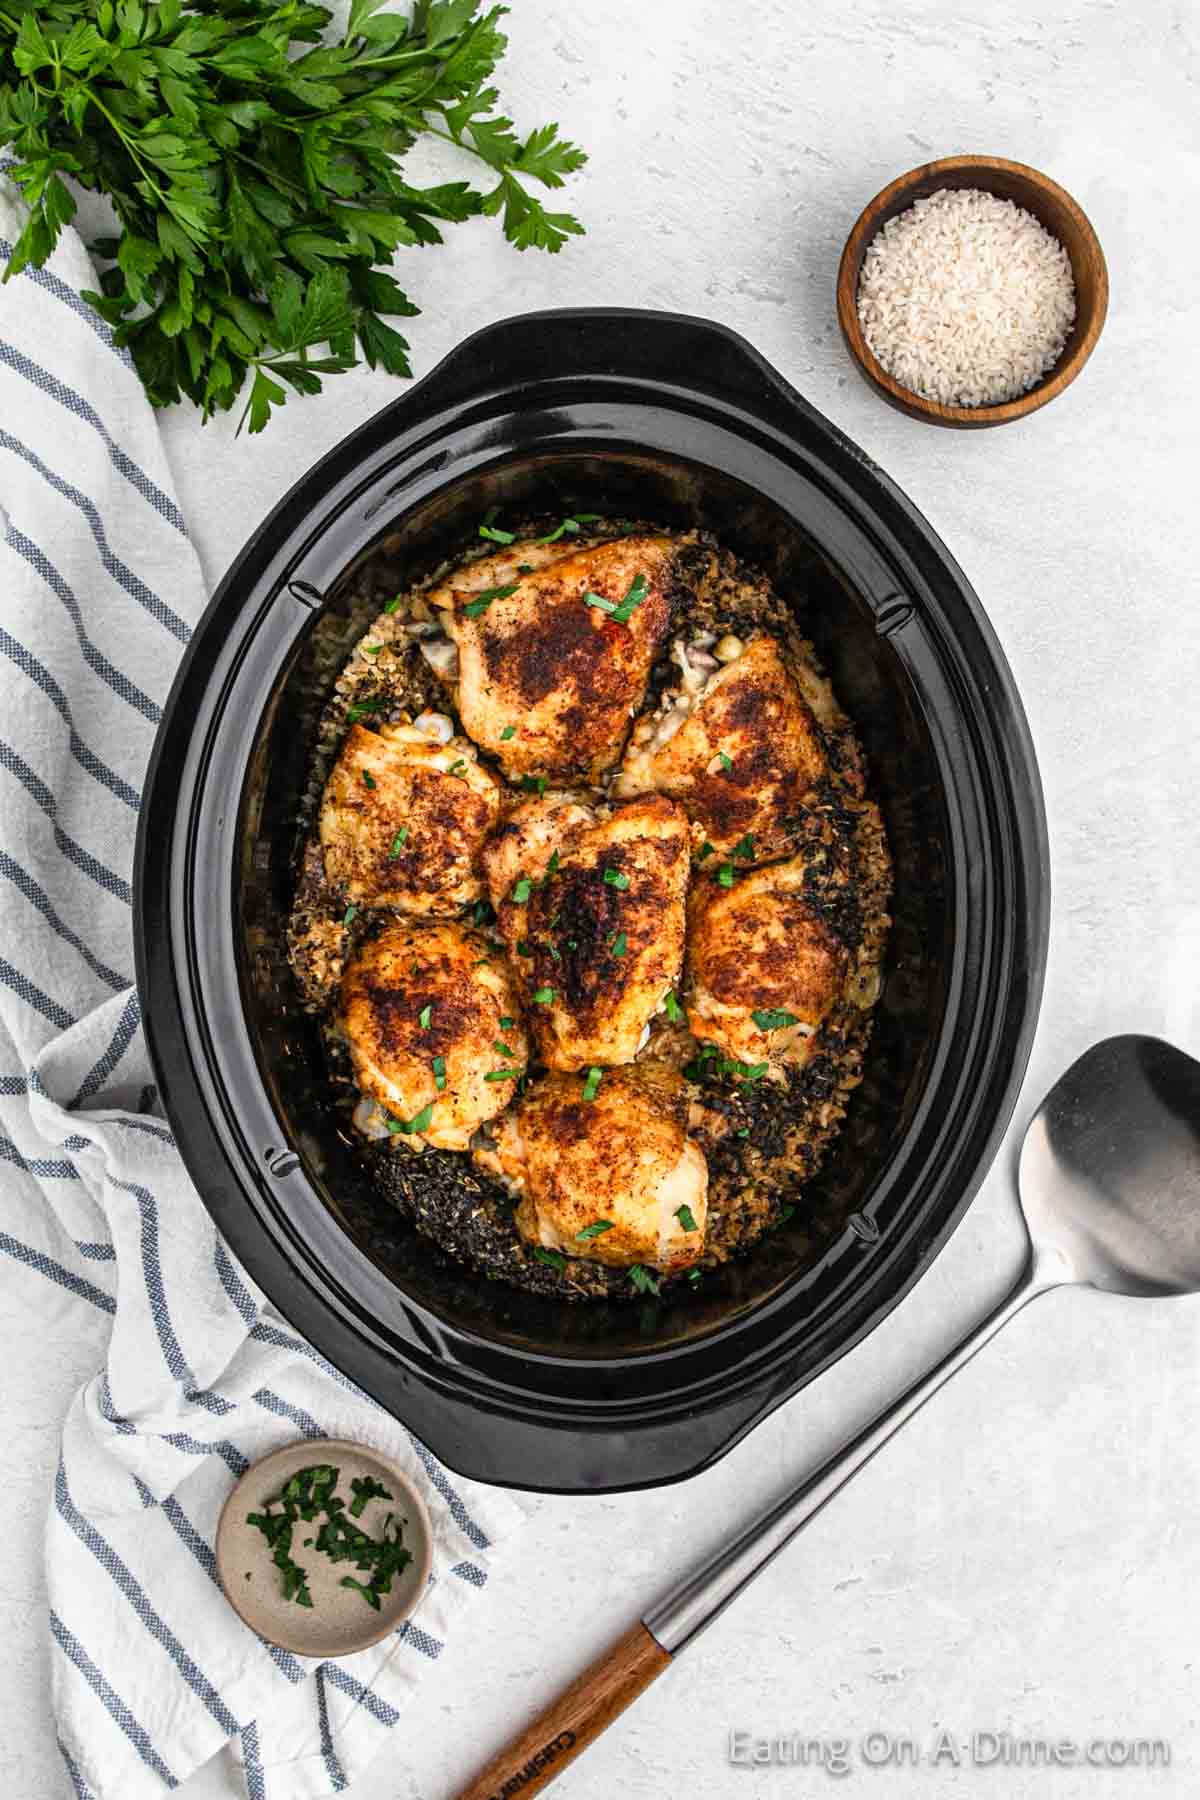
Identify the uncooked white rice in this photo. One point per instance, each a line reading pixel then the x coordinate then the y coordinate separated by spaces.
pixel 965 298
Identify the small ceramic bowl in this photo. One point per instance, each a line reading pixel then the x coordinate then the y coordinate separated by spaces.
pixel 339 1620
pixel 1053 207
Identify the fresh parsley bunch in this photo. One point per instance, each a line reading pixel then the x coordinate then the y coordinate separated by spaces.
pixel 258 190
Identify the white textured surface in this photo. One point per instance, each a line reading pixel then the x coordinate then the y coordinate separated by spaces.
pixel 1027 1555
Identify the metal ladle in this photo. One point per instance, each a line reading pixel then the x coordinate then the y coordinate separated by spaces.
pixel 1109 1184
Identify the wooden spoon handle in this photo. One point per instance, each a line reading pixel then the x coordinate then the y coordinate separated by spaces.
pixel 573 1721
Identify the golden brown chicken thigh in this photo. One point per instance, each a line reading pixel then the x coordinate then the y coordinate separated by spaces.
pixel 553 664
pixel 739 748
pixel 404 814
pixel 431 1018
pixel 612 1177
pixel 763 967
pixel 591 908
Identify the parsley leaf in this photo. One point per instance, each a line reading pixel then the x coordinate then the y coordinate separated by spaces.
pixel 419 1121
pixel 686 1217
pixel 550 1257
pixel 594 1078
pixel 482 601
pixel 594 1230
pixel 674 1011
pixel 643 1280
pixel 616 878
pixel 365 1488
pixel 773 1018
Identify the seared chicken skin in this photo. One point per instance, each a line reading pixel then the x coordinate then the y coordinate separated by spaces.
pixel 429 1013
pixel 404 814
pixel 620 1161
pixel 547 678
pixel 592 911
pixel 740 750
pixel 763 968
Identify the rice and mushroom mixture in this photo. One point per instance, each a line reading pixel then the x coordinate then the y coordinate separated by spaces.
pixel 763 1138
pixel 966 298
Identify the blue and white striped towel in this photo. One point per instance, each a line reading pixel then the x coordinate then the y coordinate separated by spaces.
pixel 152 1672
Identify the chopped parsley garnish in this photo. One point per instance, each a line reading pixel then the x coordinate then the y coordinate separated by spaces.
pixel 725 875
pixel 398 843
pixel 594 1078
pixel 725 761
pixel 533 784
pixel 361 708
pixel 744 847
pixel 483 913
pixel 544 996
pixel 773 1018
pixel 482 601
pixel 694 1275
pixel 705 850
pixel 365 1488
pixel 503 1048
pixel 619 944
pixel 521 891
pixel 368 778
pixel 686 1217
pixel 350 915
pixel 277 1529
pixel 510 731
pixel 371 649
pixel 524 947
pixel 638 589
pixel 673 1009
pixel 503 1075
pixel 620 612
pixel 552 866
pixel 493 532
pixel 439 1073
pixel 616 878
pixel 456 768
pixel 524 568
pixel 550 1257
pixel 506 1022
pixel 418 1122
pixel 394 603
pixel 566 525
pixel 424 1016
pixel 742 1071
pixel 643 1280
pixel 312 1491
pixel 594 1230
pixel 744 1132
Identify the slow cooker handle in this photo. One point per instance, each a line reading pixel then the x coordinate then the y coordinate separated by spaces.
pixel 515 1449
pixel 589 343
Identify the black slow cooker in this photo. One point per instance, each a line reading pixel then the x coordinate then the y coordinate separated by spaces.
pixel 681 421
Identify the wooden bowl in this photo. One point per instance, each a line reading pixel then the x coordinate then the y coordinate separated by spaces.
pixel 1053 207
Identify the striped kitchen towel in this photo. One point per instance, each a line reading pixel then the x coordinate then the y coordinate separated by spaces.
pixel 196 1375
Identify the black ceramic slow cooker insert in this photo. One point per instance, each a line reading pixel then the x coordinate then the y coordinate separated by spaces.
pixel 680 421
